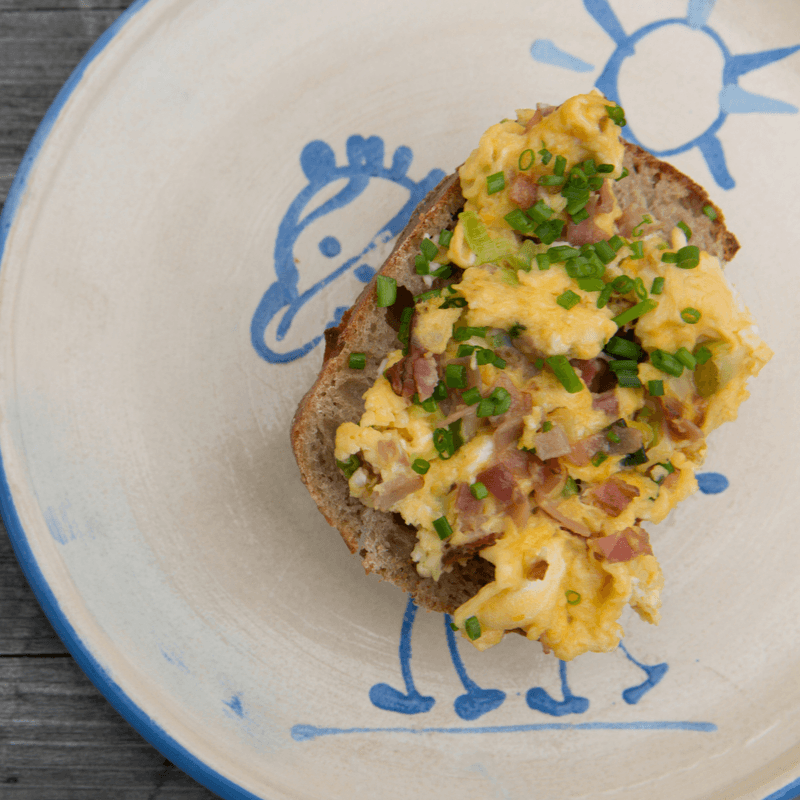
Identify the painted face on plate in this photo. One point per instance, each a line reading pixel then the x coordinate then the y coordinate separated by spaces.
pixel 324 251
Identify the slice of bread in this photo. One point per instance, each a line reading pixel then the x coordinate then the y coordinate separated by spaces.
pixel 382 540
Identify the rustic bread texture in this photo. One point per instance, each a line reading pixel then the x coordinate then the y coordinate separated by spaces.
pixel 384 541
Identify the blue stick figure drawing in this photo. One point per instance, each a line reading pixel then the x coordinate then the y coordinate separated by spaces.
pixel 477 701
pixel 731 97
pixel 285 297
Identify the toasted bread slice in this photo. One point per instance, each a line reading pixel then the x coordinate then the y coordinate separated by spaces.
pixel 384 541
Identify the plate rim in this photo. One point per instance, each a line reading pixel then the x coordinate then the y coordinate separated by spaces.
pixel 134 714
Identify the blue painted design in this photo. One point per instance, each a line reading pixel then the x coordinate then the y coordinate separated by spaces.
pixel 654 674
pixel 732 98
pixel 545 51
pixel 712 482
pixel 305 733
pixel 330 247
pixel 387 697
pixel 284 299
pixel 539 700
pixel 364 273
pixel 477 701
pixel 235 705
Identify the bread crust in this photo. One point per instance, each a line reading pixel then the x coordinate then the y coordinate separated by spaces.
pixel 382 540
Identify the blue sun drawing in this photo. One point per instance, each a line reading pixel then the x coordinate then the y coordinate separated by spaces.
pixel 721 87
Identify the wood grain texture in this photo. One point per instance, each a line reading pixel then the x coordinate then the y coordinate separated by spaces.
pixel 59 737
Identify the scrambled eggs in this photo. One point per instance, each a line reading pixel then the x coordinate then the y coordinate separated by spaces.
pixel 557 392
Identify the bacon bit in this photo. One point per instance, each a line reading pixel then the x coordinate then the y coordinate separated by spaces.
pixel 678 427
pixel 551 509
pixel 452 554
pixel 465 502
pixel 519 509
pixel 426 375
pixel 546 475
pixel 391 492
pixel 518 462
pixel 607 401
pixel 589 370
pixel 401 374
pixel 507 433
pixel 624 545
pixel 542 110
pixel 552 443
pixel 583 450
pixel 499 481
pixel 613 496
pixel 537 570
pixel 524 191
pixel 585 232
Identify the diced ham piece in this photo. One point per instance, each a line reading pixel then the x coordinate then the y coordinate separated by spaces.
pixel 499 481
pixel 624 545
pixel 465 502
pixel 508 432
pixel 426 375
pixel 589 369
pixel 585 232
pixel 524 191
pixel 607 401
pixel 552 443
pixel 393 491
pixel 613 496
pixel 401 374
pixel 583 450
pixel 519 509
pixel 630 440
pixel 679 427
pixel 546 476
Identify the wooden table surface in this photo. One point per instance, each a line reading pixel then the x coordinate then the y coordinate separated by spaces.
pixel 59 737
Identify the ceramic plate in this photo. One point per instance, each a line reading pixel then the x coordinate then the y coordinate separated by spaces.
pixel 208 193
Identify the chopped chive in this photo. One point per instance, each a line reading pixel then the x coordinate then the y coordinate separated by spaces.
pixel 543 261
pixel 443 272
pixel 655 388
pixel 617 115
pixel 428 405
pixel 484 356
pixel 689 256
pixel 421 298
pixel 622 284
pixel 420 466
pixel 465 350
pixel 421 264
pixel 624 348
pixel 637 250
pixel 634 459
pixel 578 179
pixel 515 330
pixel 570 487
pixel 710 212
pixel 445 238
pixel 442 528
pixel 499 362
pixel 464 333
pixel 386 288
pixel 639 288
pixel 485 407
pixel 559 166
pixel 568 300
pixel 471 396
pixel 635 312
pixel 540 211
pixel 666 362
pixel 580 216
pixel 605 168
pixel 519 221
pixel 605 252
pixel 478 490
pixel 589 167
pixel 591 284
pixel 473 628
pixel 573 598
pixel 428 248
pixel 686 230
pixel 440 391
pixel 629 380
pixel 350 466
pixel 501 399
pixel 658 286
pixel 455 376
pixel 669 258
pixel 562 253
pixel 702 354
pixel 605 295
pixel 616 242
pixel 550 180
pixel 686 358
pixel 453 626
pixel 623 365
pixel 495 183
pixel 596 183
pixel 547 425
pixel 565 373
pixel 404 331
pixel 546 155
pixel 599 458
pixel 454 302
pixel 526 159
pixel 639 229
pixel 690 315
pixel 357 361
pixel 613 437
pixel 549 231
pixel 625 173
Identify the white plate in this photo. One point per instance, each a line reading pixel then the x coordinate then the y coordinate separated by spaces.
pixel 209 165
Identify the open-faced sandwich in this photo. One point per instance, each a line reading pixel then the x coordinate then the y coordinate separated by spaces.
pixel 530 379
